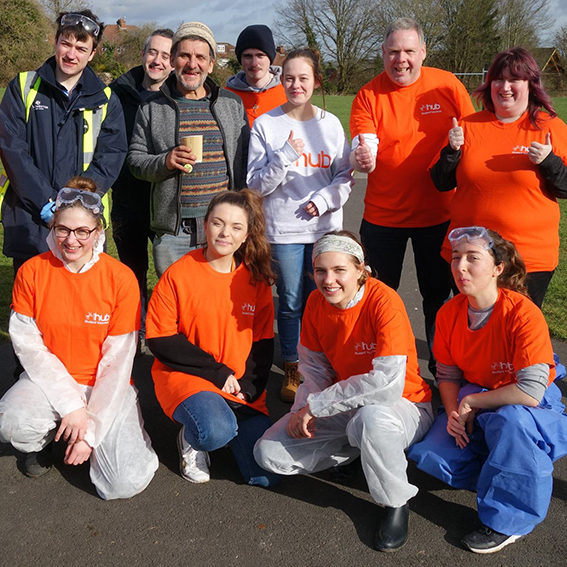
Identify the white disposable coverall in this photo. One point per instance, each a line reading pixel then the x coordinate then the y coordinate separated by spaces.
pixel 123 462
pixel 363 415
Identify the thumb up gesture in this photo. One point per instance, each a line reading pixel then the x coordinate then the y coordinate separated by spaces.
pixel 538 152
pixel 296 144
pixel 456 136
pixel 365 161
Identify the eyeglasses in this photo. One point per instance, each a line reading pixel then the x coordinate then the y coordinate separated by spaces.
pixel 68 195
pixel 81 233
pixel 470 233
pixel 89 25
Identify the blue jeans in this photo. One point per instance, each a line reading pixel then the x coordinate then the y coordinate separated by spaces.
pixel 210 424
pixel 292 264
pixel 169 248
pixel 385 251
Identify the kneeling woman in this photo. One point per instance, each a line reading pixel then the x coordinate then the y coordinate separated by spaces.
pixel 362 394
pixel 74 321
pixel 210 326
pixel 504 423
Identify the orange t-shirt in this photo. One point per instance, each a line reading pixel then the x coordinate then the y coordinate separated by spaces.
pixel 500 188
pixel 223 314
pixel 377 325
pixel 256 103
pixel 76 312
pixel 411 124
pixel 515 337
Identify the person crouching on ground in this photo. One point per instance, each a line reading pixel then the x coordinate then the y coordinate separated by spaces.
pixel 210 326
pixel 74 321
pixel 362 394
pixel 503 424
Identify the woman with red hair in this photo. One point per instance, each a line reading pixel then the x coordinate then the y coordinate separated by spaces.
pixel 508 164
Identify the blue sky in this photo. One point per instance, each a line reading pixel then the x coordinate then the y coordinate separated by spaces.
pixel 225 23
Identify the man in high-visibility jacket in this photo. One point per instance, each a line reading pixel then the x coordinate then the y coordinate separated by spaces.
pixel 56 122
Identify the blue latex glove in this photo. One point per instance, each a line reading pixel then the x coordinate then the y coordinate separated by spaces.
pixel 46 213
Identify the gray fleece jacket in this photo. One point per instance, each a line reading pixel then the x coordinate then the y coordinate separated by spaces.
pixel 156 133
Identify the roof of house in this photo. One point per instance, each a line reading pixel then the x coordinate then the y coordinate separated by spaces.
pixel 113 31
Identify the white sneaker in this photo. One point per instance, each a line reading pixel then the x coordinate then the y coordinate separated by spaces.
pixel 193 464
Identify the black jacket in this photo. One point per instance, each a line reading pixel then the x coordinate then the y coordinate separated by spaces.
pixel 42 154
pixel 128 192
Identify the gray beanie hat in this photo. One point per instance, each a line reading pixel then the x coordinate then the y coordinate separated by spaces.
pixel 194 29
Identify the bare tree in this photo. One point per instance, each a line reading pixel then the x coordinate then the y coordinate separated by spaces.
pixel 521 21
pixel 560 41
pixel 54 7
pixel 345 31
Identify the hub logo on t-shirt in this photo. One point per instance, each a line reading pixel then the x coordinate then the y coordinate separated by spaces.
pixel 520 150
pixel 248 309
pixel 364 348
pixel 502 368
pixel 97 318
pixel 430 108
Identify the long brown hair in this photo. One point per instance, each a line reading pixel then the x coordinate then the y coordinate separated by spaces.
pixel 514 274
pixel 255 251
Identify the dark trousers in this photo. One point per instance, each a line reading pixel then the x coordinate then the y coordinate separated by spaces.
pixel 537 284
pixel 385 250
pixel 131 232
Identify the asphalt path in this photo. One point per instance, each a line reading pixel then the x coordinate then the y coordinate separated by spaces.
pixel 58 520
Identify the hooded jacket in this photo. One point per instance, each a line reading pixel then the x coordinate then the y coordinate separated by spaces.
pixel 41 154
pixel 156 133
pixel 257 101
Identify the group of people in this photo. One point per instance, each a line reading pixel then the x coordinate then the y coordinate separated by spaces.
pixel 262 204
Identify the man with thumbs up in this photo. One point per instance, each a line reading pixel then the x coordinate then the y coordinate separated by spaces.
pixel 399 122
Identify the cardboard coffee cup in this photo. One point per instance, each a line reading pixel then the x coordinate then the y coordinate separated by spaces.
pixel 196 145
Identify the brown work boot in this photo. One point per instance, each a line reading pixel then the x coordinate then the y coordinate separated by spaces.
pixel 291 382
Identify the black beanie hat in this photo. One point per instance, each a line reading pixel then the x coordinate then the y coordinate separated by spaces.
pixel 259 37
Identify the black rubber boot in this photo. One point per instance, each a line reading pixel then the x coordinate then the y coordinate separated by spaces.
pixel 345 473
pixel 38 463
pixel 392 533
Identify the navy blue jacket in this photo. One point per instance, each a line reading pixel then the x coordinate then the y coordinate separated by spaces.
pixel 40 156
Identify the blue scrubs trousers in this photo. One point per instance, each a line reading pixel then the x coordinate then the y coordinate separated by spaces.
pixel 508 460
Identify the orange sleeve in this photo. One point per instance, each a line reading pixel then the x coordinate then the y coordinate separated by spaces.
pixel 309 338
pixel 23 294
pixel 392 326
pixel 128 307
pixel 362 114
pixel 441 345
pixel 163 313
pixel 532 344
pixel 264 314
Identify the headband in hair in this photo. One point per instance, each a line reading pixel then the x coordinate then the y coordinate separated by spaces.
pixel 336 243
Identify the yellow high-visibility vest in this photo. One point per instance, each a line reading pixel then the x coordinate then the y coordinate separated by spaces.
pixel 93 118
